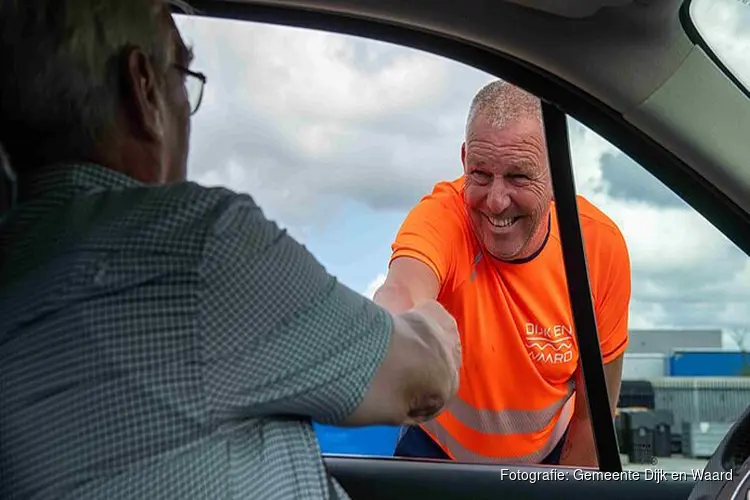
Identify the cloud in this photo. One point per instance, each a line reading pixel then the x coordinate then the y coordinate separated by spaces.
pixel 587 149
pixel 624 179
pixel 313 117
pixel 308 122
pixel 685 273
pixel 725 26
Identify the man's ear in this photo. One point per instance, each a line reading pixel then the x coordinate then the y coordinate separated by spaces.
pixel 463 155
pixel 143 95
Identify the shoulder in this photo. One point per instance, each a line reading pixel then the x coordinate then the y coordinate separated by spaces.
pixel 442 207
pixel 194 197
pixel 448 194
pixel 183 214
pixel 442 211
pixel 190 201
pixel 436 231
pixel 597 225
pixel 606 248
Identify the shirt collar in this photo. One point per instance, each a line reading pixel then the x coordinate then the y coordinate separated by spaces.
pixel 71 178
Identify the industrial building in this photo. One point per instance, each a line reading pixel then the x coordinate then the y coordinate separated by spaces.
pixel 695 390
pixel 665 341
pixel 653 354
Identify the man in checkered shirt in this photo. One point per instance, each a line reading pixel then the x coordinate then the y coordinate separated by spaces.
pixel 159 339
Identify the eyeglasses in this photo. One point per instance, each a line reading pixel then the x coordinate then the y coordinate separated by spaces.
pixel 194 85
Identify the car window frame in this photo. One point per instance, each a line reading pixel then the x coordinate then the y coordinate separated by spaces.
pixel 697 192
pixel 579 287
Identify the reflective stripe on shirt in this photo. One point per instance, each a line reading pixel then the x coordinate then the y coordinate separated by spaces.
pixel 506 435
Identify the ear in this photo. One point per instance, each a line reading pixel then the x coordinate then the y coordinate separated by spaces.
pixel 143 95
pixel 463 155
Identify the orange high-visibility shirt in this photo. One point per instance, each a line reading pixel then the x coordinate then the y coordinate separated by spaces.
pixel 519 347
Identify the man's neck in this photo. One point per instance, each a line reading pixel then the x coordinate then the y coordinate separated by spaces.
pixel 536 244
pixel 133 156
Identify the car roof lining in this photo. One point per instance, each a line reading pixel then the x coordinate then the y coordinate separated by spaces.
pixel 570 8
pixel 640 46
pixel 637 48
pixel 670 112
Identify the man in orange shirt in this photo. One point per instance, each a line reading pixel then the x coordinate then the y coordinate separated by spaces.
pixel 487 247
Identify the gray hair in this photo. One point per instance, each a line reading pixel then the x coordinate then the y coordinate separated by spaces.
pixel 500 102
pixel 60 71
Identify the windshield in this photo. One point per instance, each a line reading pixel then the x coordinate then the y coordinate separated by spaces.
pixel 724 26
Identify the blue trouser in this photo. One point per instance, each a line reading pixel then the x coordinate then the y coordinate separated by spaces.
pixel 416 443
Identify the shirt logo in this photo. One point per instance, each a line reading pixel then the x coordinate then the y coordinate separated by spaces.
pixel 549 345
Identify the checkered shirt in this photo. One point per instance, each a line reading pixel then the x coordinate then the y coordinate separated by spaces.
pixel 169 342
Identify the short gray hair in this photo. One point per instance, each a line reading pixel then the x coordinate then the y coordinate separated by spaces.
pixel 60 71
pixel 500 102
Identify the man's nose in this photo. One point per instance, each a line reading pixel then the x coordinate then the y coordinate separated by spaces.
pixel 498 197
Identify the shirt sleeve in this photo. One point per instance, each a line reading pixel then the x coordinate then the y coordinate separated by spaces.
pixel 282 336
pixel 614 301
pixel 430 233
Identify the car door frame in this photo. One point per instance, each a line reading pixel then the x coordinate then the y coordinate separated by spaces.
pixel 561 99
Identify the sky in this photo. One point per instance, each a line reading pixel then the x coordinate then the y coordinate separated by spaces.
pixel 337 137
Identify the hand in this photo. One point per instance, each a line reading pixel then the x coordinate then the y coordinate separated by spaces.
pixel 446 330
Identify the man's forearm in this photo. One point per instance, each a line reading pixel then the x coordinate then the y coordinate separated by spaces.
pixel 579 448
pixel 396 299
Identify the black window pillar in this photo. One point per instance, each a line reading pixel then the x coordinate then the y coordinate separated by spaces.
pixel 579 289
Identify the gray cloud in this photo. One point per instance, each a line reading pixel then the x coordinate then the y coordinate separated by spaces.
pixel 384 160
pixel 725 26
pixel 303 131
pixel 626 179
pixel 713 294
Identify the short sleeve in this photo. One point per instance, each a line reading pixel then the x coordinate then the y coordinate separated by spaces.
pixel 281 336
pixel 431 232
pixel 613 302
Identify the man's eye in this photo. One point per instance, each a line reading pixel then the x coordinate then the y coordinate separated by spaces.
pixel 480 175
pixel 519 177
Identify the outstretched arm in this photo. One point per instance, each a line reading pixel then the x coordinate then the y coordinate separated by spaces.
pixel 408 283
pixel 284 338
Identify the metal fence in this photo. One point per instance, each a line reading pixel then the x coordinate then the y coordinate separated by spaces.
pixel 700 440
pixel 702 399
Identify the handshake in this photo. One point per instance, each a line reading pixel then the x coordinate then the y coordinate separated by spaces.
pixel 435 332
pixel 420 372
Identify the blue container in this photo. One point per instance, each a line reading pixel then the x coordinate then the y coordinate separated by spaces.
pixel 709 364
pixel 372 440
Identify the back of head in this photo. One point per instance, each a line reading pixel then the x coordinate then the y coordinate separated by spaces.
pixel 60 85
pixel 500 103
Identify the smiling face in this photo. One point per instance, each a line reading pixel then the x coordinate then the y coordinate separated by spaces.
pixel 507 186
